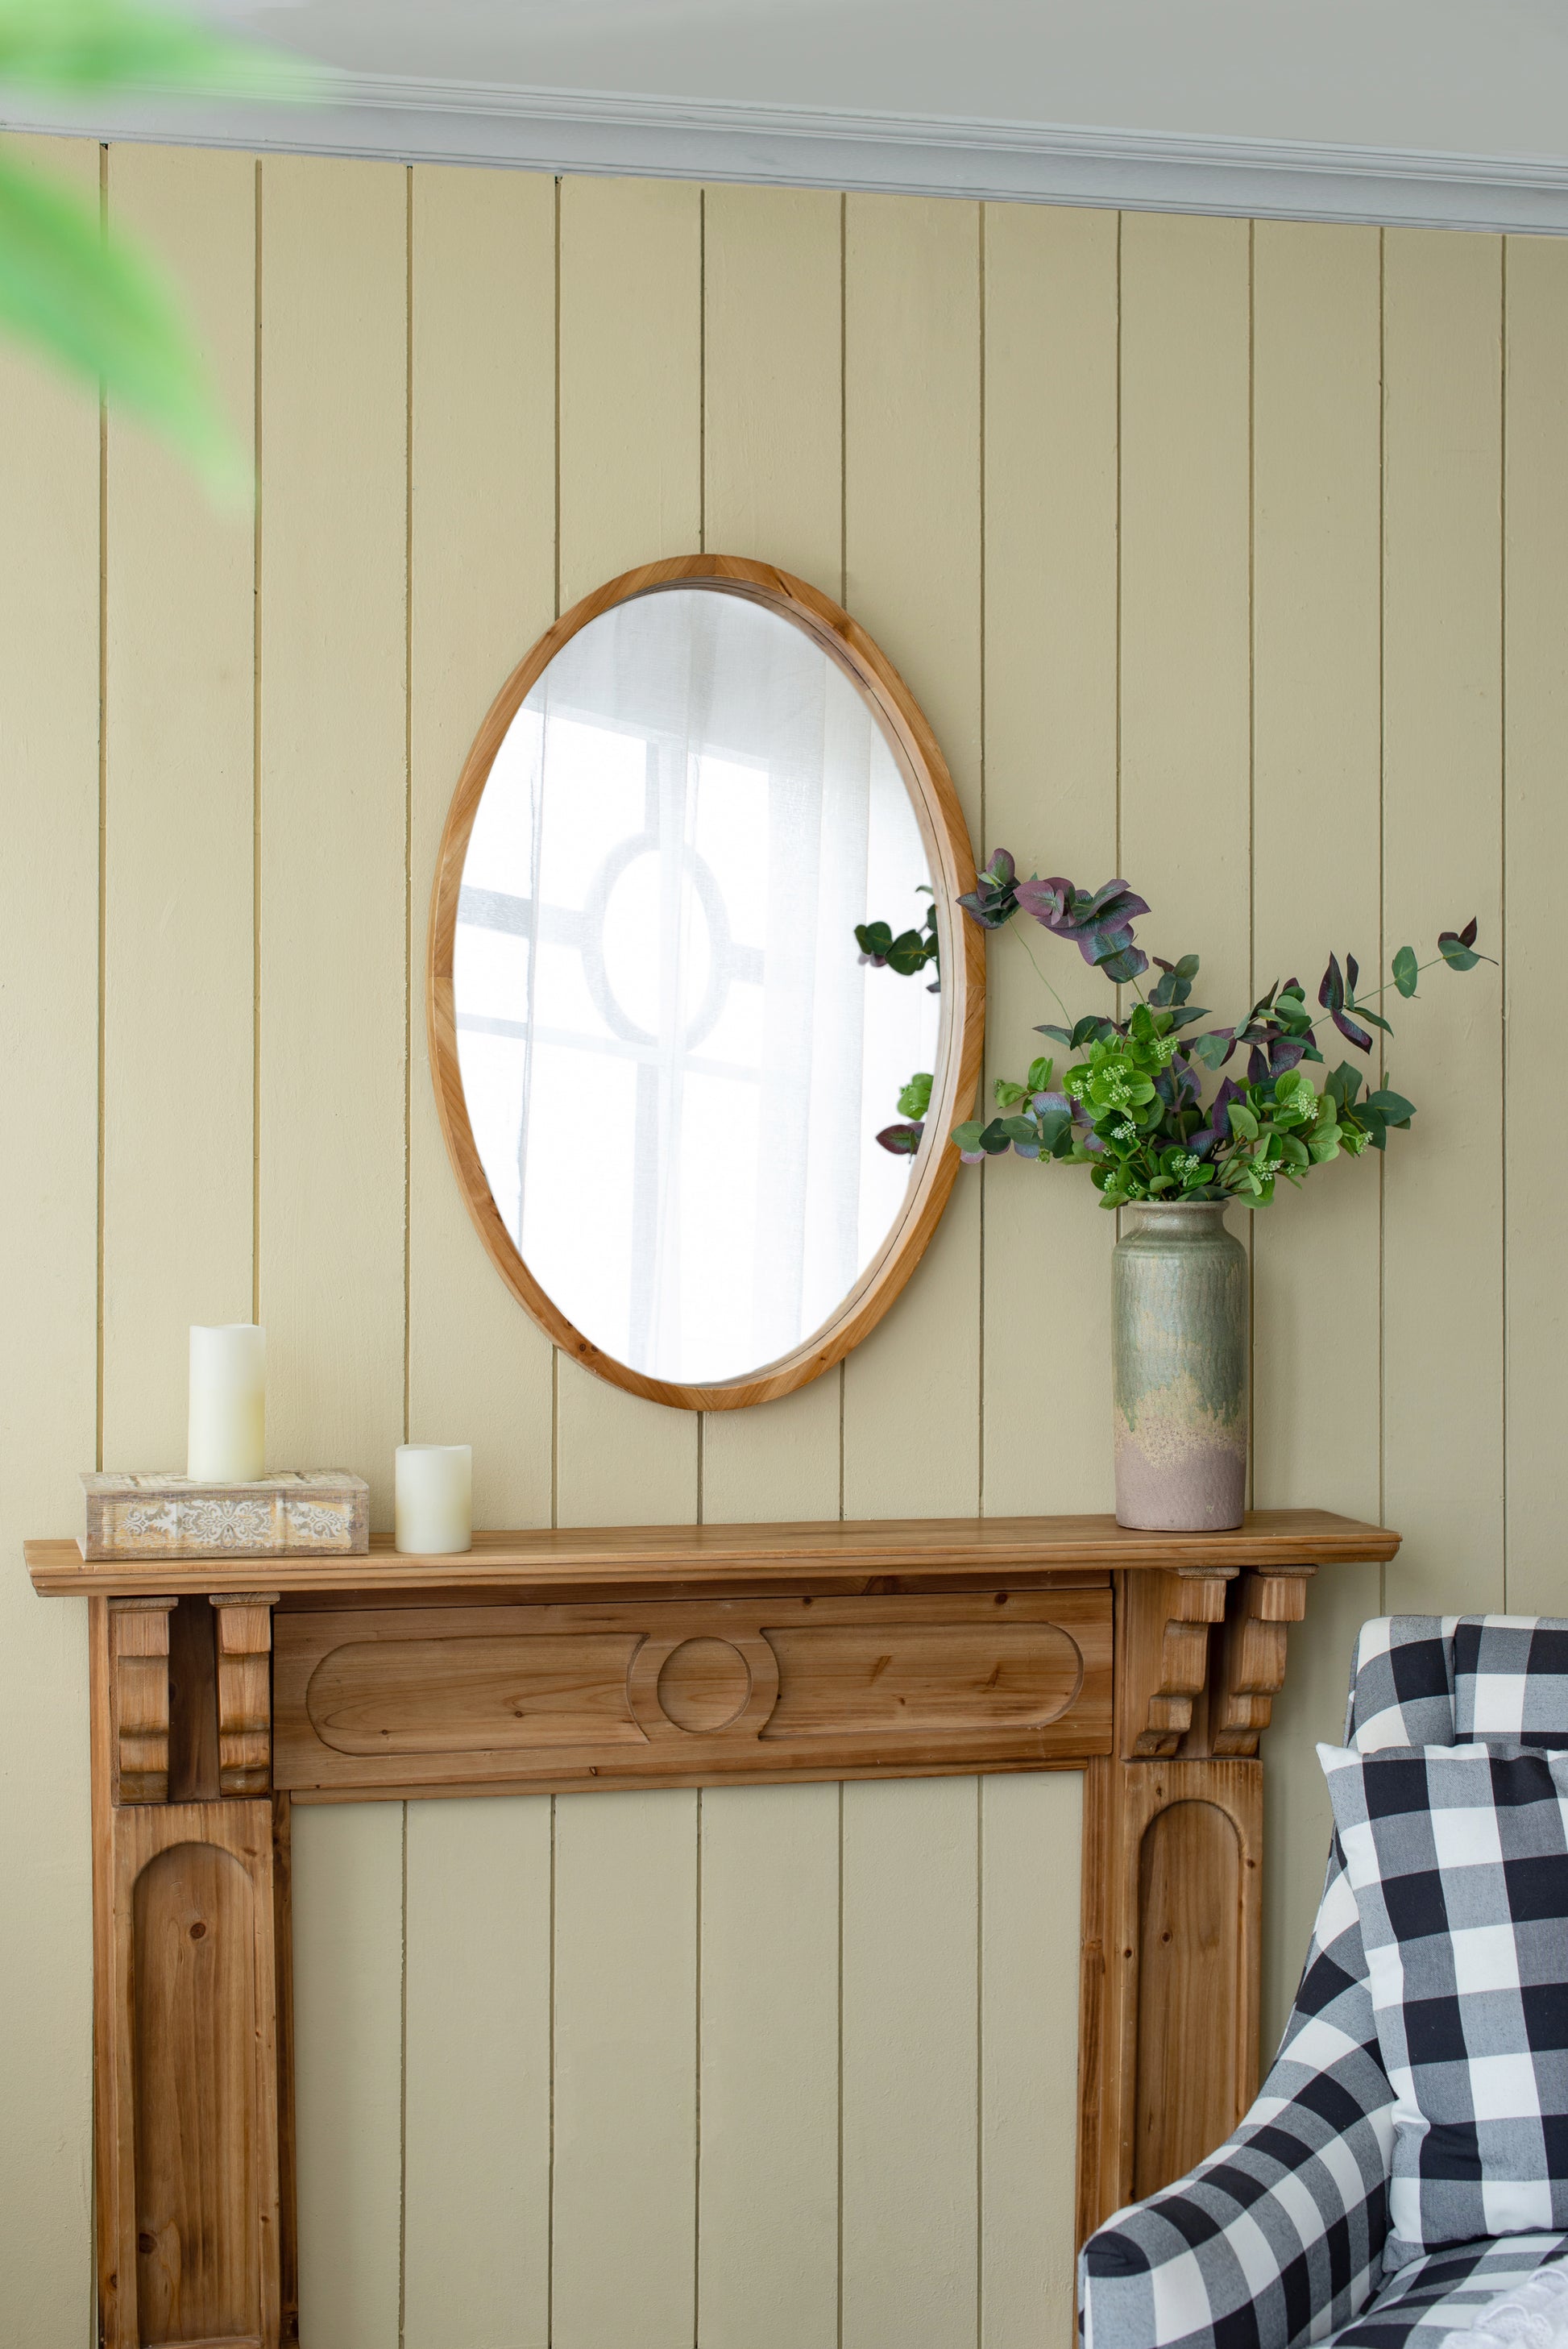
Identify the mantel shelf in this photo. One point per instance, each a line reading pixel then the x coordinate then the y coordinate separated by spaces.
pixel 735 1557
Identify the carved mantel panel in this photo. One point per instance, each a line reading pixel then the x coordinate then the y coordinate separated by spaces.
pixel 653 1656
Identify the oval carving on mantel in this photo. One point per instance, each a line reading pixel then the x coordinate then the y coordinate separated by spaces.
pixel 614 1688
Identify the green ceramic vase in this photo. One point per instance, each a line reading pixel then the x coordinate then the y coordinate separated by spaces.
pixel 1178 1348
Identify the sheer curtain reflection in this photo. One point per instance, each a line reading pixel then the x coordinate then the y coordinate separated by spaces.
pixel 675 1064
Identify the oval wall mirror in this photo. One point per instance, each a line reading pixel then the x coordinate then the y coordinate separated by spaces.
pixel 661 1062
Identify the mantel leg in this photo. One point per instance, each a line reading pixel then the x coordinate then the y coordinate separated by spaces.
pixel 191 2026
pixel 1172 1885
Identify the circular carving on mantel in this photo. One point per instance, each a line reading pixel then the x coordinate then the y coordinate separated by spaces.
pixel 704 1684
pixel 701 1684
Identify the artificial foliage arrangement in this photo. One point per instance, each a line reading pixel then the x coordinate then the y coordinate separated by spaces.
pixel 1130 1103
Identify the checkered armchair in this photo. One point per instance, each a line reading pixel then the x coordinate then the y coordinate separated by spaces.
pixel 1276 2239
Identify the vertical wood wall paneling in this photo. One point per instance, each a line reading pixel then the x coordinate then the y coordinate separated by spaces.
pixel 912 482
pixel 348 1993
pixel 481 586
pixel 334 812
pixel 910 2086
pixel 773 486
pixel 768 2215
pixel 1050 797
pixel 625 2071
pixel 768 2219
pixel 630 389
pixel 1443 1257
pixel 334 816
pixel 912 1392
pixel 1050 742
pixel 1030 1846
pixel 179 828
pixel 1316 424
pixel 477 2125
pixel 1535 506
pixel 48 1252
pixel 1185 652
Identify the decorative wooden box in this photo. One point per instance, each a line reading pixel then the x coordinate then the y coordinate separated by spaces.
pixel 315 1513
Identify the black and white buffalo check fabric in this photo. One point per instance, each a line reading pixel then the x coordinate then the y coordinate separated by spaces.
pixel 1458 1856
pixel 1276 2240
pixel 1510 1681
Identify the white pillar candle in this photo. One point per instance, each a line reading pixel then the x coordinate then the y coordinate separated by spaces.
pixel 433 1488
pixel 228 1428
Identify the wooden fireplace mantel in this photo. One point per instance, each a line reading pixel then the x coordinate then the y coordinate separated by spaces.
pixel 224 1690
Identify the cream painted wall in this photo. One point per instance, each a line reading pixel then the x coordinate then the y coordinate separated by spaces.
pixel 1232 559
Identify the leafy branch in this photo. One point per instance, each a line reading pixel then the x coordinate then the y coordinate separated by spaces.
pixel 1130 1104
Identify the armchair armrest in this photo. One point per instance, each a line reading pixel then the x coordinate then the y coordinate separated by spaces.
pixel 1275 2240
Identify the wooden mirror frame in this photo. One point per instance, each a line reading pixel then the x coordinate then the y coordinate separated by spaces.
pixel 963 964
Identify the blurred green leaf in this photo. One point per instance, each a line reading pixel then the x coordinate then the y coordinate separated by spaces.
pixel 1405 970
pixel 101 310
pixel 98 44
pixel 916 1098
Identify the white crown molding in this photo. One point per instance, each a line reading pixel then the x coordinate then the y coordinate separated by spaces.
pixel 389 115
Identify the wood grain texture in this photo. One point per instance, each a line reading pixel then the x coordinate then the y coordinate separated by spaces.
pixel 186 2026
pixel 1030 1833
pixel 1317 556
pixel 1535 507
pixel 725 1688
pixel 347 2023
pixel 910 2055
pixel 768 2216
pixel 1050 778
pixel 477 2125
pixel 773 481
pixel 625 2071
pixel 962 960
pixel 1442 747
pixel 138 1698
pixel 180 815
pixel 1173 1897
pixel 1191 1951
pixel 659 1556
pixel 912 575
pixel 244 1658
pixel 482 529
pixel 49 1017
pixel 331 1037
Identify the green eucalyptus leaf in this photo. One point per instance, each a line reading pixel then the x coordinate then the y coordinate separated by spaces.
pixel 1007 1093
pixel 1243 1122
pixel 916 1098
pixel 1405 970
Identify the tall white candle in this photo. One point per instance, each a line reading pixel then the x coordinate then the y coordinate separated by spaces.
pixel 228 1429
pixel 433 1488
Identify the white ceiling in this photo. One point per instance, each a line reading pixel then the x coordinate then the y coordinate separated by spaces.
pixel 1472 77
pixel 1449 113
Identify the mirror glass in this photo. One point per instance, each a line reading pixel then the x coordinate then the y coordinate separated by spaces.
pixel 674 1061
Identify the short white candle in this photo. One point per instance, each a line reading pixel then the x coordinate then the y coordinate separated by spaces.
pixel 228 1427
pixel 433 1485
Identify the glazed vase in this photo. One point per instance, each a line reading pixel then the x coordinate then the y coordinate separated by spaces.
pixel 1178 1355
